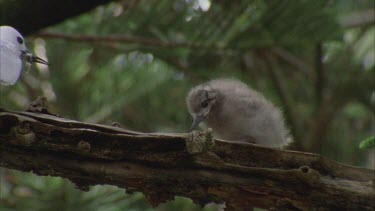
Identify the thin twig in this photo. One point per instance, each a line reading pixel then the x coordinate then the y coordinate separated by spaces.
pixel 277 79
pixel 319 76
pixel 118 38
pixel 293 60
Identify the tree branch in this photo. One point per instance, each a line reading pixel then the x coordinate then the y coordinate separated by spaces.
pixel 165 165
pixel 118 38
pixel 359 19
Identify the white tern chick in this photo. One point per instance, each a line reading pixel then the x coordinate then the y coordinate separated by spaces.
pixel 12 51
pixel 237 113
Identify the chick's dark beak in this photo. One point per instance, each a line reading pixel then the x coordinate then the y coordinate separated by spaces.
pixel 31 58
pixel 197 120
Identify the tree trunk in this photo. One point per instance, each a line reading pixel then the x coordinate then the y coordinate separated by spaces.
pixel 30 16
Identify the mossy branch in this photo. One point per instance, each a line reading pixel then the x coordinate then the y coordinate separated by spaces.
pixel 164 165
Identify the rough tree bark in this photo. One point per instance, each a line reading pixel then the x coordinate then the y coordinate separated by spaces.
pixel 192 165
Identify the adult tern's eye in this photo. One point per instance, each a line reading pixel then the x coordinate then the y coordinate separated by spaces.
pixel 20 40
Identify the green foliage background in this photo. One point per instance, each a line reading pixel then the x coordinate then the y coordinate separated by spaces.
pixel 324 69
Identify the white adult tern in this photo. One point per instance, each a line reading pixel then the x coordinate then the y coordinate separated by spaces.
pixel 12 51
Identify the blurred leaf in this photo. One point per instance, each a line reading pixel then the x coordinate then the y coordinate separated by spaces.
pixel 355 110
pixel 367 143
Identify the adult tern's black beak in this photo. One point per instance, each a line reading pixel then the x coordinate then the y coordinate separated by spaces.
pixel 31 58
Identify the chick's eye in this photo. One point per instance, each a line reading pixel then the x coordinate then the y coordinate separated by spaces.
pixel 204 104
pixel 20 40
